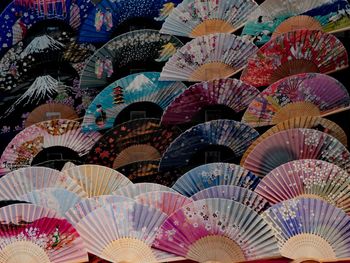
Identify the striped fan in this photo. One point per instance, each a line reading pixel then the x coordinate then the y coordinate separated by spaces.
pixel 193 18
pixel 97 180
pixel 209 57
pixel 232 93
pixel 145 132
pixel 26 180
pixel 295 144
pixel 34 234
pixel 226 133
pixel 214 174
pixel 139 87
pixel 307 178
pixel 308 122
pixel 216 230
pixel 133 190
pixel 127 54
pixel 125 234
pixel 305 94
pixel 295 52
pixel 235 193
pixel 310 228
pixel 58 199
pixel 31 141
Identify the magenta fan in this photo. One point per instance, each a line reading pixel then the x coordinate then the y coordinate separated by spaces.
pixel 216 230
pixel 232 93
pixel 295 144
pixel 307 178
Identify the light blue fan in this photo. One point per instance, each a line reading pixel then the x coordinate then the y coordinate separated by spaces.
pixel 140 87
pixel 214 174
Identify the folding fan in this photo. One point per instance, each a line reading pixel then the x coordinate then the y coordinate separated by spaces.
pixel 193 18
pixel 32 140
pixel 136 132
pixel 147 172
pixel 216 230
pixel 32 234
pixel 301 51
pixel 214 174
pixel 232 93
pixel 140 87
pixel 133 190
pixel 310 228
pixel 234 135
pixel 295 144
pixel 309 122
pixel 97 180
pixel 126 233
pixel 129 50
pixel 235 193
pixel 209 57
pixel 305 94
pixel 29 179
pixel 58 199
pixel 67 165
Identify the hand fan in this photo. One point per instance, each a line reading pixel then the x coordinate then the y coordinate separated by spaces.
pixel 133 190
pixel 126 233
pixel 209 57
pixel 193 18
pixel 307 178
pixel 147 172
pixel 310 228
pixel 29 179
pixel 301 51
pixel 295 144
pixel 167 202
pixel 97 180
pixel 235 193
pixel 126 53
pixel 231 134
pixel 139 87
pixel 214 174
pixel 305 94
pixel 216 230
pixel 57 199
pixel 232 93
pixel 31 141
pixel 309 122
pixel 67 165
pixel 146 132
pixel 107 16
pixel 32 234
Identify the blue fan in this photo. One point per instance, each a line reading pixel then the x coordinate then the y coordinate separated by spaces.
pixel 215 174
pixel 228 134
pixel 139 87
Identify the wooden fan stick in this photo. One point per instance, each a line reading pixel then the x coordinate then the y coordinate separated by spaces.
pixel 335 111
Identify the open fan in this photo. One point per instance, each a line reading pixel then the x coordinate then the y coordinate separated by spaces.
pixel 193 18
pixel 97 180
pixel 33 234
pixel 235 136
pixel 126 54
pixel 214 174
pixel 310 228
pixel 26 180
pixel 307 178
pixel 23 149
pixel 235 193
pixel 209 57
pixel 295 144
pixel 307 94
pixel 309 122
pixel 147 132
pixel 133 190
pixel 301 51
pixel 216 230
pixel 139 87
pixel 232 93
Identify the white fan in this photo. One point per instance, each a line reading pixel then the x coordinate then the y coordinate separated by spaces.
pixel 133 190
